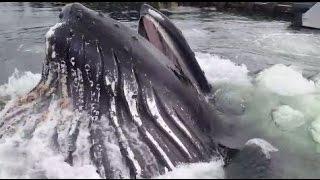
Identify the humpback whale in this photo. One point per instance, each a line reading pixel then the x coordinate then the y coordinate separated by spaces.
pixel 139 94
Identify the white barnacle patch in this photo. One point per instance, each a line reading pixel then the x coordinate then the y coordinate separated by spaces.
pixel 110 82
pixel 53 69
pixel 53 55
pixel 107 81
pixel 98 90
pixel 50 33
pixel 80 89
pixel 63 68
pixel 91 83
pixel 98 51
pixel 161 122
pixel 87 68
pixel 155 14
pixel 69 39
pixel 72 61
pixel 92 95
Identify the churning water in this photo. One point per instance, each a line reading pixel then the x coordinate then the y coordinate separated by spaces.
pixel 265 77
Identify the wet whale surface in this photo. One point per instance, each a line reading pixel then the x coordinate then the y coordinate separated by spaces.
pixel 125 94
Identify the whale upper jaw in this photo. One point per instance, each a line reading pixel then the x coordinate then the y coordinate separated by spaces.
pixel 166 37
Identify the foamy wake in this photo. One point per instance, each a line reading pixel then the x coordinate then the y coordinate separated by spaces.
pixel 19 83
pixel 285 80
pixel 219 70
pixel 280 91
pixel 210 170
pixel 29 153
pixel 32 158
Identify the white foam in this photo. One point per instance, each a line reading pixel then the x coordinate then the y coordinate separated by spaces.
pixel 34 157
pixel 265 146
pixel 315 130
pixel 284 80
pixel 55 167
pixel 202 170
pixel 219 70
pixel 287 118
pixel 19 84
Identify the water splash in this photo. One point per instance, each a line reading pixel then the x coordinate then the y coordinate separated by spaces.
pixel 19 83
pixel 32 153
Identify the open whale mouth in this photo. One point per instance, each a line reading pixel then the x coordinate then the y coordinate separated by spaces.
pixel 167 38
pixel 151 29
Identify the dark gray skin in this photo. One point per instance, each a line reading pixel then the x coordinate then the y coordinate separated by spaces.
pixel 123 81
pixel 104 48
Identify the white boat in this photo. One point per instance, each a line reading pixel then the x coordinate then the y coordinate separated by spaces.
pixel 311 18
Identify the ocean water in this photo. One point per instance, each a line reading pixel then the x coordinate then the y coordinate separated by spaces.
pixel 265 77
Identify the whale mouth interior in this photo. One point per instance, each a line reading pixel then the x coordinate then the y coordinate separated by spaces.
pixel 156 34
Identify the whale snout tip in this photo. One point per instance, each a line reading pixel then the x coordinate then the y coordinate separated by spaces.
pixel 74 6
pixel 144 9
pixel 73 11
pixel 149 10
